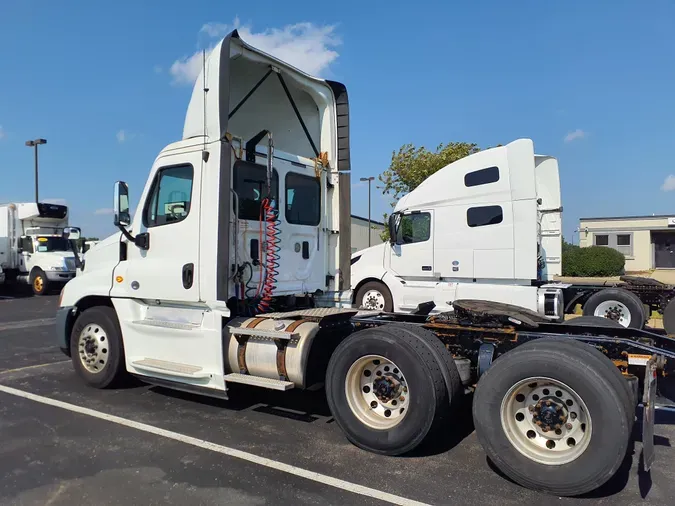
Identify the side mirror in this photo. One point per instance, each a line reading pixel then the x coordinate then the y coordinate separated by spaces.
pixel 72 233
pixel 122 218
pixel 393 229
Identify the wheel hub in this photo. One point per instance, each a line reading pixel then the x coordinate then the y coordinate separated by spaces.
pixel 549 414
pixel 387 387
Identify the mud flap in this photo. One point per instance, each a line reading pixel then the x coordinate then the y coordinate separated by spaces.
pixel 648 414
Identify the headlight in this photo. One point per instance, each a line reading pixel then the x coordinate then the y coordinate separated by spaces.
pixel 58 268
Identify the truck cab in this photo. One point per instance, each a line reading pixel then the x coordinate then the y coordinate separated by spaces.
pixel 33 246
pixel 484 227
pixel 247 214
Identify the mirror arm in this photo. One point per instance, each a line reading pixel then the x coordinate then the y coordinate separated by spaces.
pixel 79 263
pixel 126 234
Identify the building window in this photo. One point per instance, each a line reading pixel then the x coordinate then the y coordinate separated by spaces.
pixel 170 196
pixel 483 176
pixel 303 199
pixel 624 244
pixel 250 184
pixel 602 240
pixel 481 216
pixel 414 228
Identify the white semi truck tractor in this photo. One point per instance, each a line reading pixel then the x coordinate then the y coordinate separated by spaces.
pixel 235 268
pixel 33 248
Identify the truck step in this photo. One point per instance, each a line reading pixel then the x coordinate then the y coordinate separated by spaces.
pixel 259 381
pixel 273 334
pixel 172 368
pixel 166 324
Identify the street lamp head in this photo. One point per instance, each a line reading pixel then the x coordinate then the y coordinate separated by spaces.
pixel 367 178
pixel 36 142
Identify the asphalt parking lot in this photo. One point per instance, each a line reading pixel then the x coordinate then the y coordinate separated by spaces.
pixel 63 443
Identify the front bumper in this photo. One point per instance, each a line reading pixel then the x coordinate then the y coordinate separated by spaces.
pixel 64 316
pixel 60 276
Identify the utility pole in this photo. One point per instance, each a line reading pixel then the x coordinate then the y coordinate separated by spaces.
pixel 369 179
pixel 34 144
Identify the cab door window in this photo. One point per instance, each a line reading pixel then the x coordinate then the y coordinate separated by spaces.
pixel 170 196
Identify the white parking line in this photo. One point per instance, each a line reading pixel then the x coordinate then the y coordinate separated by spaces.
pixel 231 452
pixel 36 366
pixel 24 324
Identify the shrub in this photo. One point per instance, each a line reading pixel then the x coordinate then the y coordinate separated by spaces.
pixel 591 261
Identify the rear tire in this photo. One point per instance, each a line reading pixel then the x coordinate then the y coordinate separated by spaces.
pixel 669 317
pixel 618 304
pixel 365 410
pixel 374 296
pixel 96 348
pixel 580 458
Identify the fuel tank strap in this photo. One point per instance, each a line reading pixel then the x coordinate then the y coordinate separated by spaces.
pixel 241 348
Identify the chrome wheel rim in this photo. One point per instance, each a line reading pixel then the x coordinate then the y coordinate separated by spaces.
pixel 377 392
pixel 546 421
pixel 92 346
pixel 614 310
pixel 373 300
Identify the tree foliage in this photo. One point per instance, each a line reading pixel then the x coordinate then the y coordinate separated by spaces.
pixel 411 165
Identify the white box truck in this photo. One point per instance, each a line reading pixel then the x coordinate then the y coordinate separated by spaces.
pixel 33 249
pixel 235 270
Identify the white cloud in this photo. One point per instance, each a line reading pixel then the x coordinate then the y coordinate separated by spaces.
pixel 577 134
pixel 2 132
pixel 216 30
pixel 104 210
pixel 121 136
pixel 59 202
pixel 306 46
pixel 669 183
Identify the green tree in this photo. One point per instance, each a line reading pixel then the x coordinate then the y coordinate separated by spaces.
pixel 411 165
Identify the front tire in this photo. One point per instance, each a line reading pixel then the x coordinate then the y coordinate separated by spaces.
pixel 374 296
pixel 568 447
pixel 618 305
pixel 39 282
pixel 96 348
pixel 386 390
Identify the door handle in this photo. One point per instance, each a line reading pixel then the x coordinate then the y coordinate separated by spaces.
pixel 188 275
pixel 426 267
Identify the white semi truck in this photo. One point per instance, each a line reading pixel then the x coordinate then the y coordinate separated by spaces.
pixel 32 247
pixel 235 270
pixel 489 227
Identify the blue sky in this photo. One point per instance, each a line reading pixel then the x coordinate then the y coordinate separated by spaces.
pixel 592 83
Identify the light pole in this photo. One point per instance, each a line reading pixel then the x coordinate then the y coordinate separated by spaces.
pixel 369 179
pixel 35 143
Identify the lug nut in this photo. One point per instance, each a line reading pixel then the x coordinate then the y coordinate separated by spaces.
pixel 561 418
pixel 402 398
pixel 544 429
pixel 568 426
pixel 548 403
pixel 558 408
pixel 531 408
pixel 558 426
pixel 573 415
pixel 538 422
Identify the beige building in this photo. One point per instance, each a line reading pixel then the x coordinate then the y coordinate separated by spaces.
pixel 360 233
pixel 648 242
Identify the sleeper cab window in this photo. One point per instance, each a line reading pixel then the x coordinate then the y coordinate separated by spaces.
pixel 414 228
pixel 170 196
pixel 250 185
pixel 303 199
pixel 485 215
pixel 482 176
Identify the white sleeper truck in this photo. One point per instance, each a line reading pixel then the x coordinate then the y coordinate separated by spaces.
pixel 234 271
pixel 489 227
pixel 33 249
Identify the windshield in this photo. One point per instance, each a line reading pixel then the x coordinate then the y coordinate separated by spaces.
pixel 44 244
